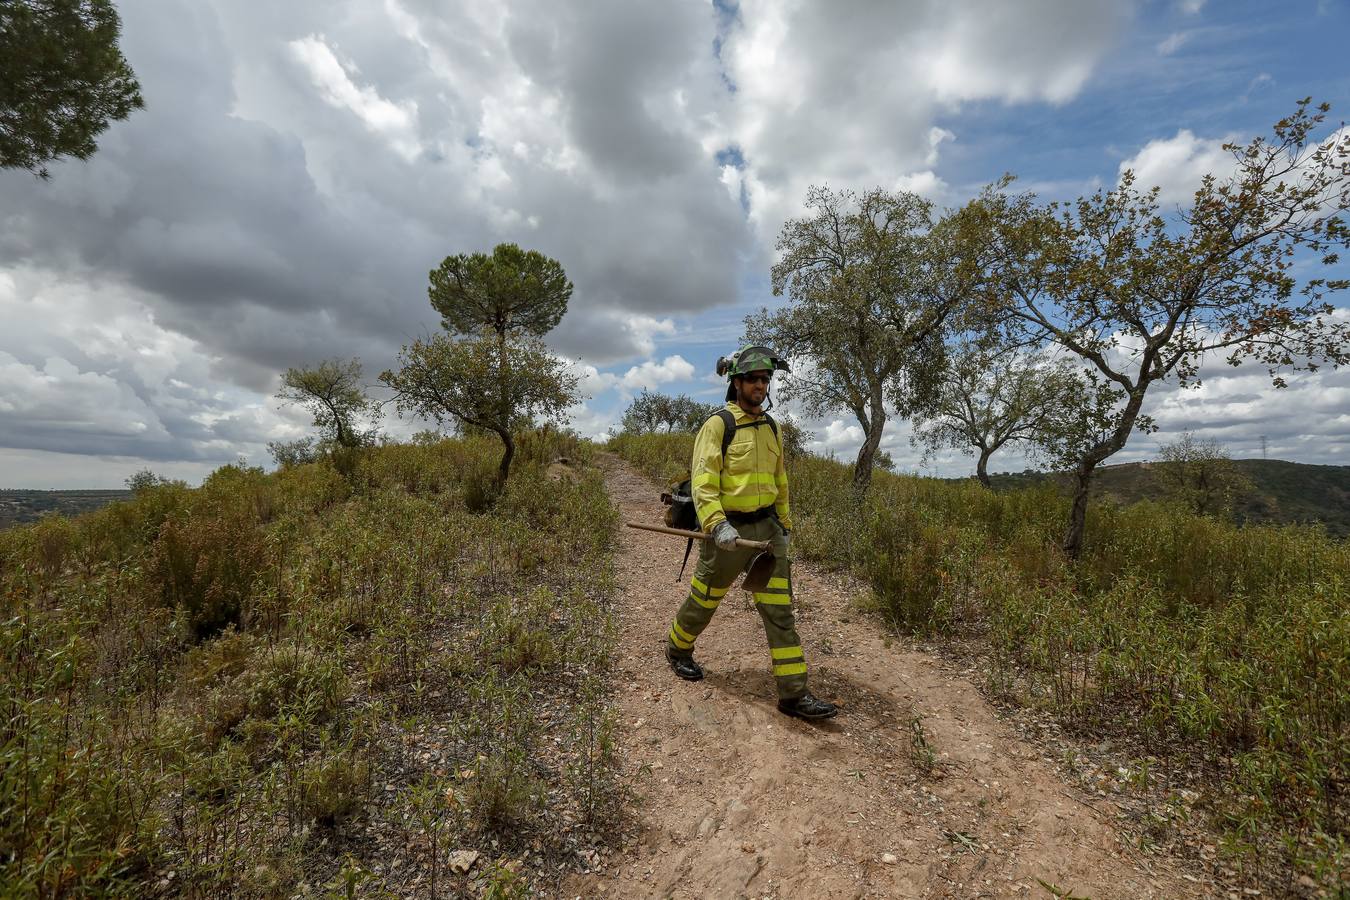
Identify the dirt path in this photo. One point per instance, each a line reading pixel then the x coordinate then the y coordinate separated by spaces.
pixel 740 801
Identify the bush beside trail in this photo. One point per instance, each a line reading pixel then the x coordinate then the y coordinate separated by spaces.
pixel 312 678
pixel 1224 647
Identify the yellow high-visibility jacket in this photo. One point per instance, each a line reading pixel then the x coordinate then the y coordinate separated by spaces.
pixel 754 475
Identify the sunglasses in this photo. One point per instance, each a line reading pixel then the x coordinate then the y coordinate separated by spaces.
pixel 758 379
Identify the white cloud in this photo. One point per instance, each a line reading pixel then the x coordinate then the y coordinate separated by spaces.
pixel 936 136
pixel 652 374
pixel 302 166
pixel 851 100
pixel 926 184
pixel 644 329
pixel 838 435
pixel 92 371
pixel 1178 164
pixel 590 380
pixel 1173 42
pixel 396 121
pixel 589 422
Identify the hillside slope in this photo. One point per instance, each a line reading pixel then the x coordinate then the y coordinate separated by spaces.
pixel 1283 492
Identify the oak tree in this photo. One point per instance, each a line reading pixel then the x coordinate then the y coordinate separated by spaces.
pixel 510 290
pixel 652 412
pixel 1201 475
pixel 333 393
pixel 497 304
pixel 468 381
pixel 1144 298
pixel 991 396
pixel 871 289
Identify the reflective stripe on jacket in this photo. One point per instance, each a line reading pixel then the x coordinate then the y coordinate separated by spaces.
pixel 754 476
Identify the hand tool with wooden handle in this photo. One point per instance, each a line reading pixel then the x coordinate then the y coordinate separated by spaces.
pixel 757 573
pixel 700 536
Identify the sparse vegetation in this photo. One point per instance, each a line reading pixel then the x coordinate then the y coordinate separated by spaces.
pixel 1224 646
pixel 309 677
pixel 1266 491
pixel 654 412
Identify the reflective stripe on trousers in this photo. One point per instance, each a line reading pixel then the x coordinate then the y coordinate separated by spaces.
pixel 715 573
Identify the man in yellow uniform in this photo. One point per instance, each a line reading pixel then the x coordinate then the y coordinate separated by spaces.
pixel 740 490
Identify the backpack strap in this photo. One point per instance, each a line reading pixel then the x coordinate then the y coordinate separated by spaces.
pixel 688 546
pixel 729 428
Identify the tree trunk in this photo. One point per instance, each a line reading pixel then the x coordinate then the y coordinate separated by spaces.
pixel 504 468
pixel 867 454
pixel 982 467
pixel 1073 539
pixel 504 410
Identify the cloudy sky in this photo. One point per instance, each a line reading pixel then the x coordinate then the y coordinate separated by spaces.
pixel 300 167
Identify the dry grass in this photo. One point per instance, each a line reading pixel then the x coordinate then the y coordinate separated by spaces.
pixel 311 676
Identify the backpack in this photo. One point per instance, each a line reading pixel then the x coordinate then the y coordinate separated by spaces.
pixel 679 500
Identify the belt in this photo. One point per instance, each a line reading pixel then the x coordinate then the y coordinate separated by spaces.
pixel 749 518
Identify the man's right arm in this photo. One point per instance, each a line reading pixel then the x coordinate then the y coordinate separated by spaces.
pixel 705 474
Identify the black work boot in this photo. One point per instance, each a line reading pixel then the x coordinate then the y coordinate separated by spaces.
pixel 684 666
pixel 808 707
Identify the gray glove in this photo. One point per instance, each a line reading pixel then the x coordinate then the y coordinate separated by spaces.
pixel 725 535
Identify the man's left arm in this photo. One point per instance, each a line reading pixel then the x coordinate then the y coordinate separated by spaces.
pixel 780 506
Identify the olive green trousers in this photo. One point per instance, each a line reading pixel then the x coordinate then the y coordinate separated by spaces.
pixel 716 571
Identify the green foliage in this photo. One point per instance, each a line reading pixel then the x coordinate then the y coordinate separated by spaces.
pixel 332 392
pixel 1280 493
pixel 207 557
pixel 992 395
pixel 665 457
pixel 1193 634
pixel 1142 298
pixel 513 290
pixel 650 412
pixel 72 824
pixel 498 376
pixel 145 480
pixel 1201 475
pixel 299 452
pixel 794 436
pixel 62 79
pixel 496 384
pixel 870 294
pixel 221 681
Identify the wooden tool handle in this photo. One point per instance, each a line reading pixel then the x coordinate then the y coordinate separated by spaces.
pixel 699 536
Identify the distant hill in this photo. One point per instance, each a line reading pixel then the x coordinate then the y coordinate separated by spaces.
pixel 20 506
pixel 1284 492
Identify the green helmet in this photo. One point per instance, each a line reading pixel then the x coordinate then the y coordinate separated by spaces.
pixel 751 359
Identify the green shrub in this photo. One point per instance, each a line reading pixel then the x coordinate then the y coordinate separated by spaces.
pixel 208 565
pixel 332 788
pixel 72 824
pixel 176 666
